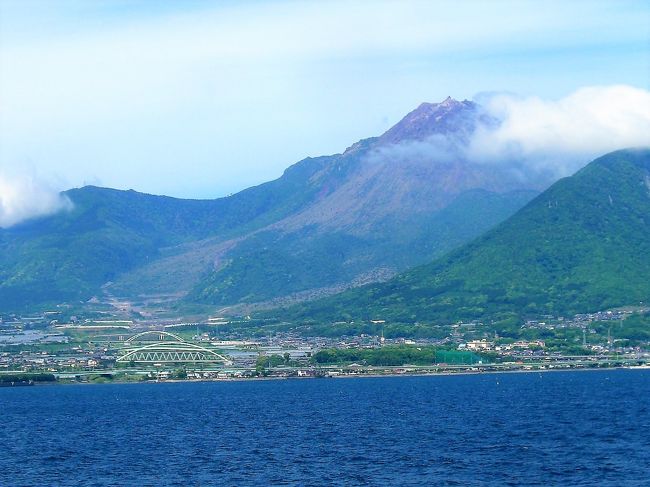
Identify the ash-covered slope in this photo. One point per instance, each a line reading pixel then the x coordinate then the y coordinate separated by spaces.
pixel 384 205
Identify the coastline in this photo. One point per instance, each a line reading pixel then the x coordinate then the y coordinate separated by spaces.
pixel 348 376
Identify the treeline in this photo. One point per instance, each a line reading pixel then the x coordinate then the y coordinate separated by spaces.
pixel 389 330
pixel 7 378
pixel 394 355
pixel 633 330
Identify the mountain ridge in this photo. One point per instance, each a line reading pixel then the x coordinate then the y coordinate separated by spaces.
pixel 375 209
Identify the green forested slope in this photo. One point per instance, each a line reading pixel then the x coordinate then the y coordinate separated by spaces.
pixel 582 245
pixel 69 255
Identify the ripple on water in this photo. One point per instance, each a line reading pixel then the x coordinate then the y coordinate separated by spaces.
pixel 565 428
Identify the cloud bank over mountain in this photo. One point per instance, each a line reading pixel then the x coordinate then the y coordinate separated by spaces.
pixel 530 137
pixel 24 196
pixel 560 136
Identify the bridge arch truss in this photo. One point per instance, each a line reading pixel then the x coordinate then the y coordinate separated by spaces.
pixel 172 352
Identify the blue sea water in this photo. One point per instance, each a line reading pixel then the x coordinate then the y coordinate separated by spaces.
pixel 561 428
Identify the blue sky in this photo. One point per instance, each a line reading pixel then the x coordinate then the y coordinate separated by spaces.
pixel 201 99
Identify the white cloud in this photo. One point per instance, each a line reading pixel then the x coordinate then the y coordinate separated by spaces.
pixel 24 196
pixel 560 136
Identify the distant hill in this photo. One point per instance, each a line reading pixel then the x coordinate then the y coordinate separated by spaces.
pixel 385 204
pixel 582 245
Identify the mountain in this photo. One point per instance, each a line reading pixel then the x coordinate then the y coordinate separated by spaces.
pixel 385 204
pixel 71 255
pixel 582 245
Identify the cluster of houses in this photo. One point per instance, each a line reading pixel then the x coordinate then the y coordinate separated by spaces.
pixel 486 345
pixel 580 320
pixel 73 359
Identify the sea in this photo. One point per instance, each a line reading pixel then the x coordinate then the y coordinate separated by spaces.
pixel 572 428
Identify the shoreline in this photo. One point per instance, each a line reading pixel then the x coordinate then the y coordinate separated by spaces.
pixel 346 376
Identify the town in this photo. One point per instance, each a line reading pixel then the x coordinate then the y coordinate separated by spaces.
pixel 69 349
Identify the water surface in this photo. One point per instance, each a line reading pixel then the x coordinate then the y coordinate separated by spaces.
pixel 562 428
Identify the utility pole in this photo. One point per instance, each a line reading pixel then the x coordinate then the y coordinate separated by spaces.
pixel 609 336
